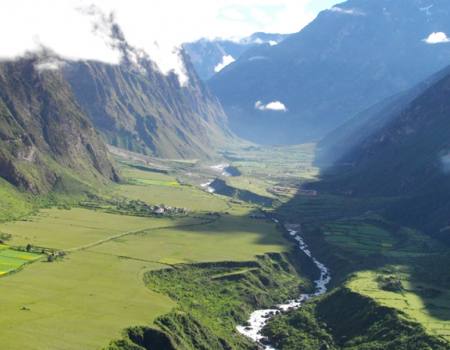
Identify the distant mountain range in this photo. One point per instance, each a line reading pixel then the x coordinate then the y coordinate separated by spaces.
pixel 350 57
pixel 210 56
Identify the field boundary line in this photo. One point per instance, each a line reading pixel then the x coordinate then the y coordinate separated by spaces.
pixel 129 233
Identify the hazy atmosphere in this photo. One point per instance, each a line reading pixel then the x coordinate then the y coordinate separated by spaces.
pixel 225 175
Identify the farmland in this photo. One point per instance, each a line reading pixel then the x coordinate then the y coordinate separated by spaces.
pixel 11 260
pixel 124 266
pixel 97 289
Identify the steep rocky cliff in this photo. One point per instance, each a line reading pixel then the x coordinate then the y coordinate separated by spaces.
pixel 45 138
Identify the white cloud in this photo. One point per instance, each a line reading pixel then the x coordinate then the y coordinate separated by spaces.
pixel 352 11
pixel 49 64
pixel 155 26
pixel 273 43
pixel 276 106
pixel 437 38
pixel 226 60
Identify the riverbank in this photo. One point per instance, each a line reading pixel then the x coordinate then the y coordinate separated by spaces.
pixel 253 329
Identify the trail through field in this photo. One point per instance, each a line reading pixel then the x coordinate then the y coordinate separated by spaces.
pixel 136 232
pixel 259 318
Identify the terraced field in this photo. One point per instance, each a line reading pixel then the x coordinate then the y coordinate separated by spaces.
pixel 360 237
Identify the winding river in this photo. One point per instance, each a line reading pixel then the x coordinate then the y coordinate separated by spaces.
pixel 259 318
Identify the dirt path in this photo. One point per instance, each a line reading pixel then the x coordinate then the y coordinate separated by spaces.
pixel 129 233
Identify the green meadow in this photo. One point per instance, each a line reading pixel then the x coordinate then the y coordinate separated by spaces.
pixel 157 188
pixel 97 289
pixel 101 286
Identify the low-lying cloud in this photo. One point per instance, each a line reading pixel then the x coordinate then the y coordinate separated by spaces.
pixel 275 106
pixel 226 60
pixel 155 27
pixel 437 38
pixel 351 11
pixel 50 63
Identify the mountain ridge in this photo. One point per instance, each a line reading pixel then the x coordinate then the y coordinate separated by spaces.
pixel 349 58
pixel 208 55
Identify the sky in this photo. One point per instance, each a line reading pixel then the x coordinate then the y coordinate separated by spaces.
pixel 157 26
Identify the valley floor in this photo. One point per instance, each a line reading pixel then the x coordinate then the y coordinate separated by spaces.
pixel 159 252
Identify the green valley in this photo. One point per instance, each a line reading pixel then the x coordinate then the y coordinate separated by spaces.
pixel 188 278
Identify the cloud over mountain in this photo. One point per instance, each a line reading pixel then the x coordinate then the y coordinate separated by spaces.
pixel 437 38
pixel 275 106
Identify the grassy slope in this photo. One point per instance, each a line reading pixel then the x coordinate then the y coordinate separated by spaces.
pixel 415 300
pixel 361 324
pixel 367 247
pixel 13 204
pixel 234 291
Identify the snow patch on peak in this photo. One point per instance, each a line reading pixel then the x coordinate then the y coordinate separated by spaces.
pixel 226 60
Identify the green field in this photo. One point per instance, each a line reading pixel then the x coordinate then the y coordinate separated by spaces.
pixel 268 163
pixel 69 229
pixel 146 186
pixel 97 290
pixel 12 260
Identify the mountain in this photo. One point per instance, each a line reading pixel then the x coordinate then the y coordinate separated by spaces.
pixel 137 107
pixel 211 56
pixel 45 138
pixel 350 57
pixel 406 159
pixel 334 146
pixel 57 113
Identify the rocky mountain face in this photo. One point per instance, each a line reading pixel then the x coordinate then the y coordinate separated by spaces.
pixel 211 56
pixel 334 148
pixel 45 138
pixel 56 115
pixel 138 108
pixel 350 57
pixel 408 158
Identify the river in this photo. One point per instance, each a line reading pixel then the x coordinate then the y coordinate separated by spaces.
pixel 259 318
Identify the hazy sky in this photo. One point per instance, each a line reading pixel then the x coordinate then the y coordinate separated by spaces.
pixel 153 25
